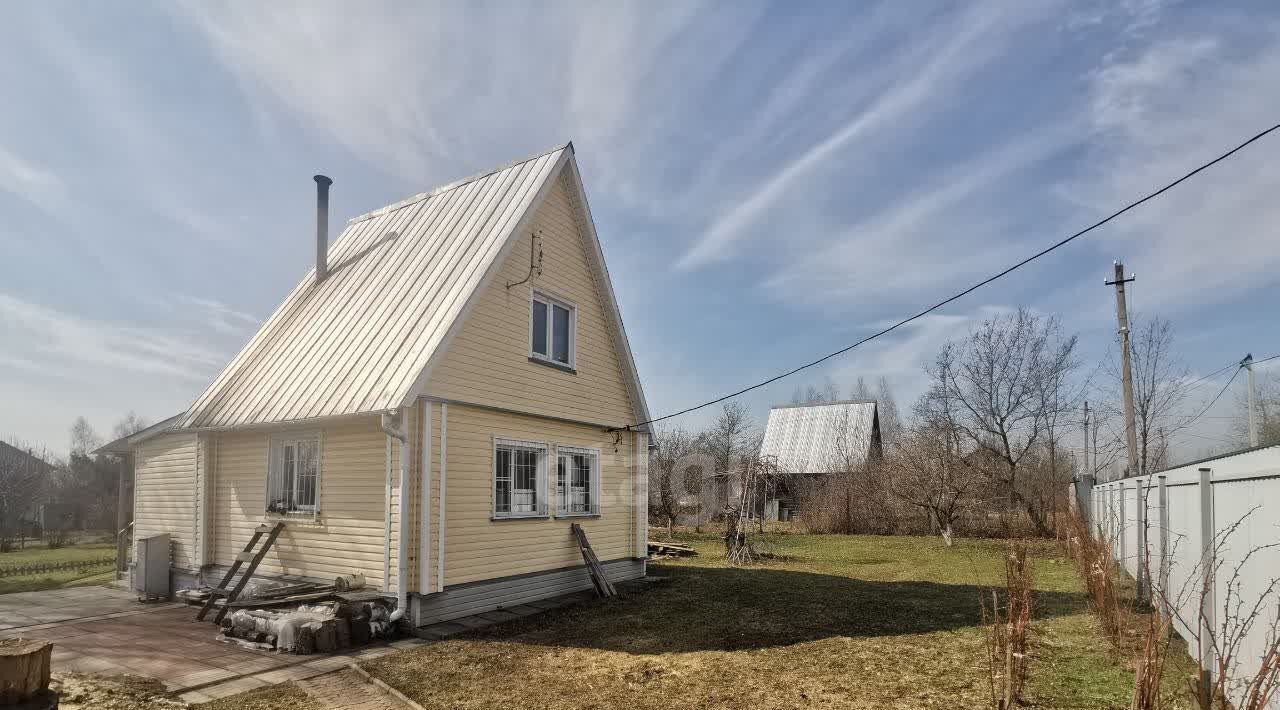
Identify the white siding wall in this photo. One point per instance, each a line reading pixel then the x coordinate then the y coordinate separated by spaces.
pixel 165 493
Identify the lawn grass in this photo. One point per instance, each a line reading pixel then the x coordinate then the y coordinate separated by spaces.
pixel 829 621
pixel 61 578
pixel 832 621
pixel 40 553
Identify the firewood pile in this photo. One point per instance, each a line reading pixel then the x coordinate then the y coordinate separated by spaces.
pixel 324 627
pixel 302 618
pixel 665 550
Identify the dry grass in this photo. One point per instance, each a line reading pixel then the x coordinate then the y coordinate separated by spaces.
pixel 844 622
pixel 276 697
pixel 831 622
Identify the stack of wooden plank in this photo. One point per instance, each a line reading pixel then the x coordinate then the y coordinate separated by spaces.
pixel 603 586
pixel 663 550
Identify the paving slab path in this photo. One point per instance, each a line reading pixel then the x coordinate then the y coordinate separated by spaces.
pixel 348 690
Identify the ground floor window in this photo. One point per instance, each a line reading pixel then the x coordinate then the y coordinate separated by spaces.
pixel 293 479
pixel 577 481
pixel 518 475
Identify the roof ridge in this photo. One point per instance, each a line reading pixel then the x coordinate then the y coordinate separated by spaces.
pixel 454 185
pixel 824 404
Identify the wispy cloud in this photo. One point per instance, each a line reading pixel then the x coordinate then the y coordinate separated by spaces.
pixel 929 71
pixel 66 344
pixel 1157 112
pixel 29 181
pixel 223 318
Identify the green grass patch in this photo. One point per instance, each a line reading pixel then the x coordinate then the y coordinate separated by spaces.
pixel 39 553
pixel 830 621
pixel 61 579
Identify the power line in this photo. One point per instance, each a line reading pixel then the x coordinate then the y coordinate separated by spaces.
pixel 975 287
pixel 1212 401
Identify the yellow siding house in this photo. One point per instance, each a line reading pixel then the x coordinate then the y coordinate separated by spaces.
pixel 431 407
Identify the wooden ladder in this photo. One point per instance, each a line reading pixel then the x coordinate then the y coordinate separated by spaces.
pixel 604 587
pixel 223 591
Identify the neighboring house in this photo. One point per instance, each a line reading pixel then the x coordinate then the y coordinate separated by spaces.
pixel 812 441
pixel 475 323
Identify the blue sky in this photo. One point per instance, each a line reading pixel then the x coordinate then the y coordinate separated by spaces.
pixel 770 182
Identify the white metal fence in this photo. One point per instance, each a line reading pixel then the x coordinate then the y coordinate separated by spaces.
pixel 1221 515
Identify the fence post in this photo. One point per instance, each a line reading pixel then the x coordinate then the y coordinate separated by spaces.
pixel 1084 498
pixel 1124 513
pixel 1144 581
pixel 1163 521
pixel 1207 586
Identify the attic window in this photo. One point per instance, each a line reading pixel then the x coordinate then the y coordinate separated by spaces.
pixel 552 326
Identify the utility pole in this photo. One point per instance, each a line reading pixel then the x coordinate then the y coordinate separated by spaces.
pixel 1126 372
pixel 1247 364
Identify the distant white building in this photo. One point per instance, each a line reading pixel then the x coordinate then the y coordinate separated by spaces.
pixel 812 440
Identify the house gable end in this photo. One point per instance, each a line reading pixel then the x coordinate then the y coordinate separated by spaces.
pixel 488 361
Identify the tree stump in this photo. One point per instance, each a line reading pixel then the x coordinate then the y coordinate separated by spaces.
pixel 24 669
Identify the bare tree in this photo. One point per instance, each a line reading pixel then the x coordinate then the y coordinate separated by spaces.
pixel 130 424
pixel 1267 401
pixel 1159 389
pixel 667 473
pixel 927 472
pixel 1059 397
pixel 991 383
pixel 887 406
pixel 83 438
pixel 23 477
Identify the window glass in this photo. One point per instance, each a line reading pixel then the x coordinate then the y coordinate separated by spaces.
pixel 540 327
pixel 293 476
pixel 502 491
pixel 575 482
pixel 517 485
pixel 560 335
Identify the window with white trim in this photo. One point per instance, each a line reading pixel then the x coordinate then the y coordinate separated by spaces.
pixel 577 481
pixel 293 478
pixel 552 326
pixel 519 475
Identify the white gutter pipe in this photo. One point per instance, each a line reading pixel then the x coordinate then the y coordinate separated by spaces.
pixel 391 425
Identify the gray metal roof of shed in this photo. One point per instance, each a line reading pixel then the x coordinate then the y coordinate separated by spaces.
pixel 809 438
pixel 399 279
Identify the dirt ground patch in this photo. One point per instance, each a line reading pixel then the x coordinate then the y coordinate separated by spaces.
pixel 90 692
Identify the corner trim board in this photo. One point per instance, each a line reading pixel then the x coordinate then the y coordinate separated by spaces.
pixel 424 560
pixel 444 431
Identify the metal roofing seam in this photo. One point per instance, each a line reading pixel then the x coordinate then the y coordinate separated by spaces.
pixel 355 341
pixel 460 248
pixel 807 438
pixel 491 253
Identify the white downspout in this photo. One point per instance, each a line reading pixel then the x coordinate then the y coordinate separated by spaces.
pixel 391 423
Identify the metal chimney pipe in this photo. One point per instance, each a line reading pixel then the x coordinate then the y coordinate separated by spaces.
pixel 322 226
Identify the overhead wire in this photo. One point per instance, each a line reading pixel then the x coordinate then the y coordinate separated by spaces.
pixel 1063 242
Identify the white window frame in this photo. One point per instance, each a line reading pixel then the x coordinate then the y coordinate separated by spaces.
pixel 593 492
pixel 275 468
pixel 550 300
pixel 540 506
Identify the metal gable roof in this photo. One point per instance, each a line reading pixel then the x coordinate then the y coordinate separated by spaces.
pixel 399 278
pixel 810 438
